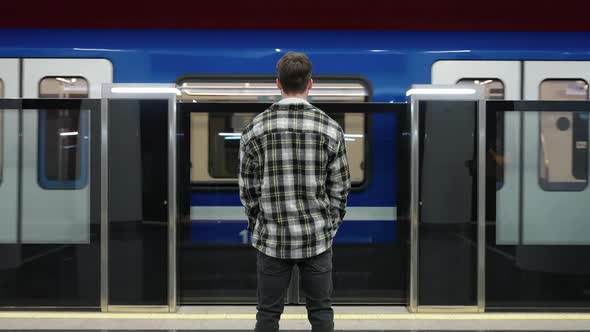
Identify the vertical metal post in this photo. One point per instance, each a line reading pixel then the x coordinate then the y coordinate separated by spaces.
pixel 104 204
pixel 481 206
pixel 172 203
pixel 414 201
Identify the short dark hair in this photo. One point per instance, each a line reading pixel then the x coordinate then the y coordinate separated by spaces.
pixel 294 72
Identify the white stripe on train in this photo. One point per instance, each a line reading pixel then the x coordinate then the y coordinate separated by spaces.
pixel 233 213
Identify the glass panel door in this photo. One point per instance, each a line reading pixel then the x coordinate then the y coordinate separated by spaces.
pixel 141 200
pixel 138 202
pixel 52 257
pixel 56 263
pixel 448 204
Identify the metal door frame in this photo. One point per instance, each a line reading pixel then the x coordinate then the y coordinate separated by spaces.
pixel 510 73
pixel 139 91
pixel 445 92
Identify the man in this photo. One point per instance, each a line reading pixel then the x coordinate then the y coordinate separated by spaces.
pixel 294 182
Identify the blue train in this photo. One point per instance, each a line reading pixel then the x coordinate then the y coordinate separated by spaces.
pixel 239 66
pixel 236 65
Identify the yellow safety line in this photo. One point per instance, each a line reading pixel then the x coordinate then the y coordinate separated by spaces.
pixel 189 316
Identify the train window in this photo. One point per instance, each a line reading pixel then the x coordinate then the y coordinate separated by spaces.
pixel 265 91
pixel 563 153
pixel 560 89
pixel 494 90
pixel 1 132
pixel 223 150
pixel 63 136
pixel 63 87
pixel 215 137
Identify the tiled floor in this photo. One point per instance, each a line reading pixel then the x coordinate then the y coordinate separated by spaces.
pixel 236 318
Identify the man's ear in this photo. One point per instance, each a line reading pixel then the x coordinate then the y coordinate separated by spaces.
pixel 310 84
pixel 279 85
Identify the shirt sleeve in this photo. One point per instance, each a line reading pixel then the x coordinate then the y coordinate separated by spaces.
pixel 338 184
pixel 250 182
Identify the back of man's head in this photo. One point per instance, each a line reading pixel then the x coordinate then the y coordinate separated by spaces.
pixel 294 72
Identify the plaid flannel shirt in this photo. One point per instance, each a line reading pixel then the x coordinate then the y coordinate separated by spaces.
pixel 294 179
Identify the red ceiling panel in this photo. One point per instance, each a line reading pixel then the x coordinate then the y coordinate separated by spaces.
pixel 490 15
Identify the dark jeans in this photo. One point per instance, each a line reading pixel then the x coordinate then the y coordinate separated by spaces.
pixel 274 275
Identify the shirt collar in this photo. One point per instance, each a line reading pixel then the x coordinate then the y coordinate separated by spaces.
pixel 293 100
pixel 291 104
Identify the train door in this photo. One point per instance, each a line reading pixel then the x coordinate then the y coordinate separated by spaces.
pixel 56 150
pixel 555 156
pixel 503 81
pixel 9 86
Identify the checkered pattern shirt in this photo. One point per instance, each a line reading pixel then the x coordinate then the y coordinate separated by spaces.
pixel 294 179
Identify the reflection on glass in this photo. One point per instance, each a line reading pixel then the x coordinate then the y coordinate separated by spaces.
pixel 447 249
pixel 60 146
pixel 494 90
pixel 563 153
pixel 224 137
pixel 493 87
pixel 138 202
pixel 63 135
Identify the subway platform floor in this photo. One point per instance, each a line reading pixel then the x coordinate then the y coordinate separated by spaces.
pixel 241 318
